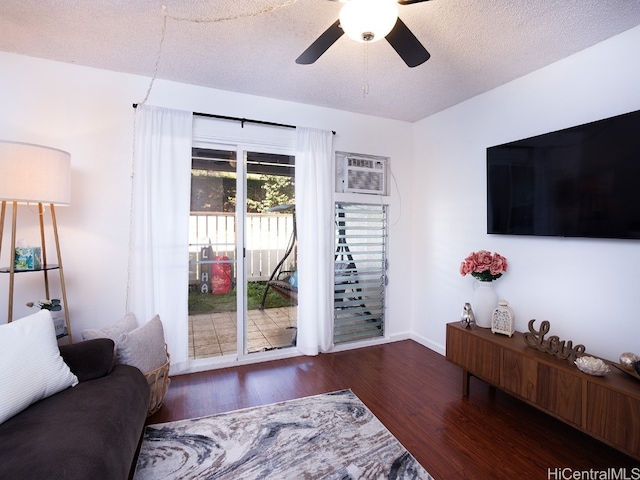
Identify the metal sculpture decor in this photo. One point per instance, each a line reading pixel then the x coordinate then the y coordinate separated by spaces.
pixel 467 319
pixel 553 345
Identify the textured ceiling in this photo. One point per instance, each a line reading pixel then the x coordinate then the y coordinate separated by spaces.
pixel 475 45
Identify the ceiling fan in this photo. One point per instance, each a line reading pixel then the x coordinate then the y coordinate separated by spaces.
pixel 369 21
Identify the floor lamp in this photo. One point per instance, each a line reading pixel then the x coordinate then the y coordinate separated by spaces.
pixel 34 174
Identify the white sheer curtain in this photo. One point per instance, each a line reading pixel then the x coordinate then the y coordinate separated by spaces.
pixel 159 250
pixel 314 214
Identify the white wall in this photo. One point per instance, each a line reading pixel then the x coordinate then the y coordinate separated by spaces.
pixel 587 289
pixel 88 112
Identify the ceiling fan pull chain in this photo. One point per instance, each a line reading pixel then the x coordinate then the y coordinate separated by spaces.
pixel 365 85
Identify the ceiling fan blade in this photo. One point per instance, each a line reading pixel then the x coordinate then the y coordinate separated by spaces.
pixel 409 2
pixel 407 45
pixel 321 45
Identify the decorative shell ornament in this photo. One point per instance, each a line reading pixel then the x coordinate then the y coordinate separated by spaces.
pixel 592 365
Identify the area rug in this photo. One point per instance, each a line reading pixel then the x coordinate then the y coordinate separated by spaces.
pixel 329 436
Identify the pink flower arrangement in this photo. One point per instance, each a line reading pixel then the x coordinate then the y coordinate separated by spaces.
pixel 484 266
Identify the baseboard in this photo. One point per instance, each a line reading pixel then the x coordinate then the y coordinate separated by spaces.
pixel 194 366
pixel 214 363
pixel 369 343
pixel 436 347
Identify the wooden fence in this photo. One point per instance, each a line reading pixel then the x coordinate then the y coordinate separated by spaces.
pixel 267 237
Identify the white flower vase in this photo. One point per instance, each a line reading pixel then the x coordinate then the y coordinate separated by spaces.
pixel 59 323
pixel 485 301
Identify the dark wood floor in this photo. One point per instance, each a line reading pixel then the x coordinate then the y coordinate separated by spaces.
pixel 416 393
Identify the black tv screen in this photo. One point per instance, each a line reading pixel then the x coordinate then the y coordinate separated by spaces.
pixel 583 181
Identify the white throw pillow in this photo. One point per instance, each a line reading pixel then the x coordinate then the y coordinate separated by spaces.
pixel 144 346
pixel 32 368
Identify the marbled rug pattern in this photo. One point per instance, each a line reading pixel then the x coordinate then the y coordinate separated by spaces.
pixel 329 436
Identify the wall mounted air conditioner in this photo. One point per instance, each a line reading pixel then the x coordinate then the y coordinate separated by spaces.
pixel 357 173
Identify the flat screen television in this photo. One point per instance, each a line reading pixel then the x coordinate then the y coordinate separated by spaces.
pixel 582 181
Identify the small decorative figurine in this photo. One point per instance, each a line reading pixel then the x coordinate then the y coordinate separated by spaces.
pixel 467 319
pixel 502 319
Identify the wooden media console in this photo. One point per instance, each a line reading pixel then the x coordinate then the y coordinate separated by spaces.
pixel 607 408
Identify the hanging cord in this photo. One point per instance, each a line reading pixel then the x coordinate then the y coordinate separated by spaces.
pixel 365 83
pixel 131 195
pixel 165 16
pixel 158 57
pixel 240 16
pixel 395 182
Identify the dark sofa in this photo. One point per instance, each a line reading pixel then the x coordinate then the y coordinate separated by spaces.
pixel 87 432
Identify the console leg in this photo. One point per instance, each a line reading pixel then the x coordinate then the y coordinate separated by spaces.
pixel 465 383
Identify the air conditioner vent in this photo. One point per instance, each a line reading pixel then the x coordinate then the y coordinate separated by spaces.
pixel 361 174
pixel 365 163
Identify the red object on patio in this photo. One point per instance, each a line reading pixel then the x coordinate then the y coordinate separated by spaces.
pixel 220 275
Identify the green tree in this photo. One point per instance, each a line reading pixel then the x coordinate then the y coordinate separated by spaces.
pixel 275 190
pixel 215 192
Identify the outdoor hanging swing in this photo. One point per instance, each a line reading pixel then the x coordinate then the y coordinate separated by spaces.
pixel 284 282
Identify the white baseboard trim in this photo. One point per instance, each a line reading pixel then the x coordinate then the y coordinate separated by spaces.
pixel 213 363
pixel 436 347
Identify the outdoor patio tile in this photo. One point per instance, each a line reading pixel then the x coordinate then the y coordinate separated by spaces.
pixel 207 351
pixel 230 338
pixel 200 321
pixel 282 320
pixel 201 328
pixel 291 311
pixel 259 320
pixel 262 321
pixel 272 329
pixel 201 340
pixel 280 314
pixel 256 346
pixel 285 323
pixel 215 334
pixel 226 331
pixel 255 335
pixel 282 341
pixel 228 348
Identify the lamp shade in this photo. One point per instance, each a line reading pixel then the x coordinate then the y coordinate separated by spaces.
pixel 368 20
pixel 34 174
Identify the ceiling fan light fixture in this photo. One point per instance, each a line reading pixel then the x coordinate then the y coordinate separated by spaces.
pixel 368 20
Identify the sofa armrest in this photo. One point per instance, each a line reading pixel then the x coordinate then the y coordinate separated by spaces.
pixel 89 359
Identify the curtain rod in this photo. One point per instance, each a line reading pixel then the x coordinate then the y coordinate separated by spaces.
pixel 241 120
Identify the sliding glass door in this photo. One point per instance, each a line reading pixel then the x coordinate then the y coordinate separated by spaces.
pixel 271 247
pixel 243 291
pixel 213 254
